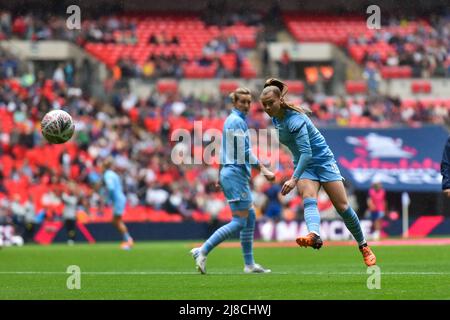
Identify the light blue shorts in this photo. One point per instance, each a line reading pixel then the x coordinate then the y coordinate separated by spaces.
pixel 119 207
pixel 236 187
pixel 326 172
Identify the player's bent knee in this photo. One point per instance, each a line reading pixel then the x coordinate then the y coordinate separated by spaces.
pixel 309 194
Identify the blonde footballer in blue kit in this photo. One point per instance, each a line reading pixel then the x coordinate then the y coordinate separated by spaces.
pixel 117 198
pixel 234 178
pixel 315 167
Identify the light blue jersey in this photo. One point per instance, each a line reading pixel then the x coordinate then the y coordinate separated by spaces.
pixel 236 145
pixel 236 161
pixel 313 158
pixel 235 171
pixel 115 192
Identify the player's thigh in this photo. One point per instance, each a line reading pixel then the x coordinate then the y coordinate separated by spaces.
pixel 236 189
pixel 308 188
pixel 241 213
pixel 337 194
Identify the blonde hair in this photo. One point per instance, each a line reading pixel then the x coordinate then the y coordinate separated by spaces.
pixel 241 90
pixel 280 89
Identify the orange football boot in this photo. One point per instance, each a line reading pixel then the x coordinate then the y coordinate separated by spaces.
pixel 311 240
pixel 369 257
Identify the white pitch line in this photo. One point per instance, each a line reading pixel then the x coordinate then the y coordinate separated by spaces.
pixel 118 273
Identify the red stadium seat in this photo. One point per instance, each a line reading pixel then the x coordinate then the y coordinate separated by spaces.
pixel 355 87
pixel 199 216
pixel 229 61
pixel 446 103
pixel 409 103
pixel 248 72
pixel 228 86
pixel 405 72
pixel 295 87
pixel 193 70
pixel 422 86
pixel 167 86
pixel 396 72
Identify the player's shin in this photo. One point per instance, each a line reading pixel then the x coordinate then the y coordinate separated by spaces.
pixel 312 216
pixel 223 233
pixel 352 223
pixel 246 237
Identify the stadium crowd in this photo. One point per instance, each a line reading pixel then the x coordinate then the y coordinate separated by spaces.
pixel 426 50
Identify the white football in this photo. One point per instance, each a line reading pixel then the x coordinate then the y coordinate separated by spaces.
pixel 57 126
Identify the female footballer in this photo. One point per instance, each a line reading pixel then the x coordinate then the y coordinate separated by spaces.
pixel 234 178
pixel 315 166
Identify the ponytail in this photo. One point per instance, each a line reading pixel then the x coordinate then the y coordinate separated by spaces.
pixel 283 89
pixel 300 109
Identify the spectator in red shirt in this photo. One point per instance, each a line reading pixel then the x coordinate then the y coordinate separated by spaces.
pixel 377 207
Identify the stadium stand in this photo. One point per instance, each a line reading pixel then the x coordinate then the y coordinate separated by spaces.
pixel 402 49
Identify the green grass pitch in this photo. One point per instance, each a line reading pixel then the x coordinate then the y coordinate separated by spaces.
pixel 165 270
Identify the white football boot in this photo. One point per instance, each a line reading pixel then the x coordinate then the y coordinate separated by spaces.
pixel 200 260
pixel 256 268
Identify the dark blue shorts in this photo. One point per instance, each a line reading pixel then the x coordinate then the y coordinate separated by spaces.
pixel 273 211
pixel 375 215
